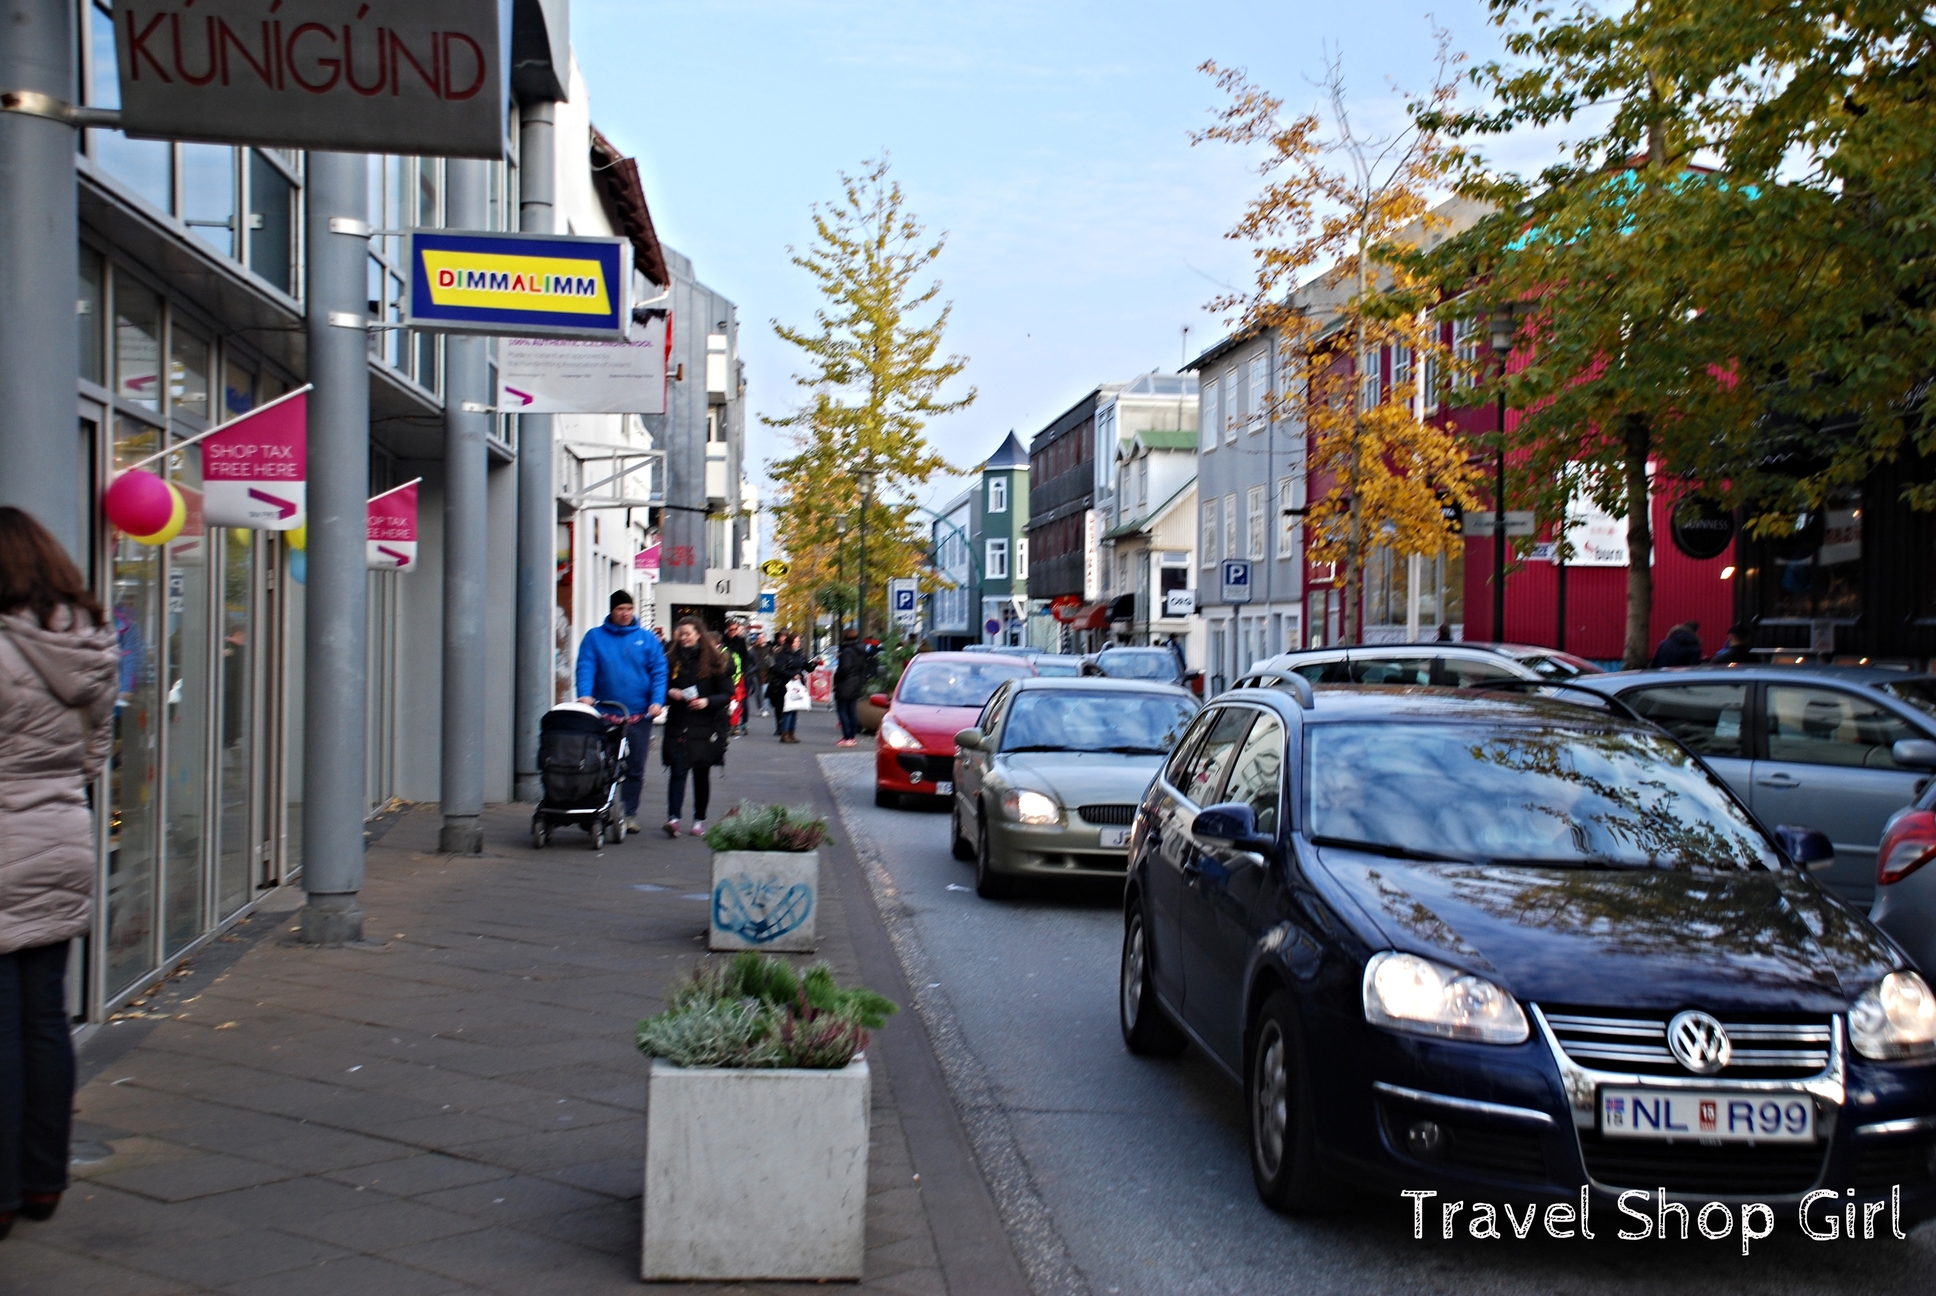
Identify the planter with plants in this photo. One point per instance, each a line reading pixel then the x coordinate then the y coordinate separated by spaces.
pixel 766 878
pixel 756 1124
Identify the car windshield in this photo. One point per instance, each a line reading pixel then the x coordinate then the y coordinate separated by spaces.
pixel 1918 692
pixel 956 683
pixel 1137 665
pixel 1096 720
pixel 1554 795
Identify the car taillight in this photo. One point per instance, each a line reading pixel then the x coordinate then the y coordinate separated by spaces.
pixel 1909 844
pixel 1195 681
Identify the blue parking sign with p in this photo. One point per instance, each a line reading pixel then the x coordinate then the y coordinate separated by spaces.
pixel 904 600
pixel 1236 582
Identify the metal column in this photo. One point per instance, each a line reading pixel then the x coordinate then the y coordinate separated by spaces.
pixel 40 444
pixel 537 505
pixel 467 380
pixel 337 630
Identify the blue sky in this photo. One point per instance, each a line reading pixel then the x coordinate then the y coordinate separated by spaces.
pixel 1050 141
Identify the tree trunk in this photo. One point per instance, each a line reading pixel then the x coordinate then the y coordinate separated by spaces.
pixel 1640 548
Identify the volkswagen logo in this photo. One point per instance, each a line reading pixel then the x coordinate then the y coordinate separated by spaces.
pixel 1699 1042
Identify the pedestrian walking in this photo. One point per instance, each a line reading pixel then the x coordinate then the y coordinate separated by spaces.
pixel 699 694
pixel 788 664
pixel 850 677
pixel 1739 650
pixel 1681 647
pixel 620 661
pixel 59 669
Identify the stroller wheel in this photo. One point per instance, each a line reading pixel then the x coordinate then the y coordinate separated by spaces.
pixel 598 834
pixel 618 828
pixel 540 835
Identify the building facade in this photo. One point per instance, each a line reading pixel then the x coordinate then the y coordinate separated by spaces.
pixel 1145 461
pixel 1062 522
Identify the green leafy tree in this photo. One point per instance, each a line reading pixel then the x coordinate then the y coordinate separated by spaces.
pixel 873 377
pixel 1731 278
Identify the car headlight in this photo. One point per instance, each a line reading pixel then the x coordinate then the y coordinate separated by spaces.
pixel 1894 1018
pixel 1408 993
pixel 1031 808
pixel 896 735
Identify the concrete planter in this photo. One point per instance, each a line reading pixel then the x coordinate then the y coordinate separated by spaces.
pixel 765 900
pixel 755 1175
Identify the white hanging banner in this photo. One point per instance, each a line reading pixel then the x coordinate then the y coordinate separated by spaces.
pixel 255 468
pixel 546 376
pixel 393 529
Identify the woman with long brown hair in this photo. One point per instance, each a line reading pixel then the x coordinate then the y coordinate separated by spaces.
pixel 58 668
pixel 699 694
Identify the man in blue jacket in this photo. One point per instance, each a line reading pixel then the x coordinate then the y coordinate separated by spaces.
pixel 621 661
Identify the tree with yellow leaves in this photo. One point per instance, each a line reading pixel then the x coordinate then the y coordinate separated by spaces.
pixel 1330 228
pixel 873 379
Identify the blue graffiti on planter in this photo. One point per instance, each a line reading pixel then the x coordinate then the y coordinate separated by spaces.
pixel 758 910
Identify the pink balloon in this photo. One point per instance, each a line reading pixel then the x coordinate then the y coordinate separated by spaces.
pixel 138 502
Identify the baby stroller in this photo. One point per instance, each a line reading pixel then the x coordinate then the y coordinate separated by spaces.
pixel 581 753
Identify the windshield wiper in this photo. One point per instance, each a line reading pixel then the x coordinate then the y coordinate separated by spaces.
pixel 1388 849
pixel 1026 747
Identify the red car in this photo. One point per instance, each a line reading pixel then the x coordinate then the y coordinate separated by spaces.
pixel 939 695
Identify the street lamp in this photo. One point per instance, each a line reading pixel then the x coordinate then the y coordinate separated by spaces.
pixel 866 478
pixel 840 571
pixel 1502 343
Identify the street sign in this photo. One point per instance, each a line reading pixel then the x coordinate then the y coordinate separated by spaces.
pixel 548 376
pixel 1179 603
pixel 769 603
pixel 903 600
pixel 520 285
pixel 1236 582
pixel 1478 525
pixel 992 626
pixel 426 77
pixel 776 568
pixel 1701 528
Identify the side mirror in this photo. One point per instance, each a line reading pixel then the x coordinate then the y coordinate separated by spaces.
pixel 882 701
pixel 1232 824
pixel 1915 753
pixel 1808 847
pixel 968 739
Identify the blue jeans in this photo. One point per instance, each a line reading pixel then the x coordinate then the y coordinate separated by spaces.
pixel 36 1073
pixel 848 709
pixel 787 720
pixel 702 788
pixel 639 739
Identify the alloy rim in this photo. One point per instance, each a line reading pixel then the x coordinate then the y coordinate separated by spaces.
pixel 1133 973
pixel 1272 1101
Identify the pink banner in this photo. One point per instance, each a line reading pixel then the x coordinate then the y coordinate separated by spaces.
pixel 255 470
pixel 393 529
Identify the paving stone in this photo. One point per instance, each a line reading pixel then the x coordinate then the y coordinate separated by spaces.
pixel 426 1172
pixel 200 1175
pixel 357 1275
pixel 379 1225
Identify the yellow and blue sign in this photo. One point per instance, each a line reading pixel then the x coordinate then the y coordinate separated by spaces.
pixel 519 285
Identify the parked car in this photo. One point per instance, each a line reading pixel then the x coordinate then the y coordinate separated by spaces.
pixel 1800 744
pixel 1057 665
pixel 1156 664
pixel 1506 946
pixel 1905 902
pixel 937 695
pixel 1047 779
pixel 1456 665
pixel 1548 663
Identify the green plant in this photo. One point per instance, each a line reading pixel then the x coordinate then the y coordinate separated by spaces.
pixel 752 827
pixel 755 1011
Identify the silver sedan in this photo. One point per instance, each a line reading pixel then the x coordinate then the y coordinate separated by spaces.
pixel 1048 781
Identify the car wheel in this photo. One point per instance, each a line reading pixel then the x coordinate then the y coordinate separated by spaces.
pixel 887 800
pixel 1147 1028
pixel 989 884
pixel 959 846
pixel 1277 1089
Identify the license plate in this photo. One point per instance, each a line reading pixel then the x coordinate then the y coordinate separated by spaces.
pixel 944 788
pixel 1717 1115
pixel 1113 837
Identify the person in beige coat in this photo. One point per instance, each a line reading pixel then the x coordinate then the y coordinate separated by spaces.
pixel 59 669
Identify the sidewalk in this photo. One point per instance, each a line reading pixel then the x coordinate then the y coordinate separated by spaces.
pixel 458 1107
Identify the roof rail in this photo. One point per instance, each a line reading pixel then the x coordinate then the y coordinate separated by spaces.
pixel 1299 687
pixel 1613 703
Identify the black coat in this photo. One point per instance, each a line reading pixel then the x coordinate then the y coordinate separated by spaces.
pixel 785 665
pixel 850 672
pixel 696 738
pixel 1681 647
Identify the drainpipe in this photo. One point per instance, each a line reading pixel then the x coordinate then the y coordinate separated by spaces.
pixel 537 502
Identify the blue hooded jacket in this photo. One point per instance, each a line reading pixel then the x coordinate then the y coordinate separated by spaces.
pixel 622 664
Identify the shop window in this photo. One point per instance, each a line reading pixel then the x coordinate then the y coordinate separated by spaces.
pixel 185 742
pixel 134 771
pixel 272 221
pixel 187 373
pixel 238 390
pixel 88 309
pixel 208 194
pixel 137 343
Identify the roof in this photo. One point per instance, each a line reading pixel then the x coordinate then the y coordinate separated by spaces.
pixel 1104 684
pixel 1150 519
pixel 1010 454
pixel 1165 438
pixel 617 178
pixel 1420 702
pixel 1161 384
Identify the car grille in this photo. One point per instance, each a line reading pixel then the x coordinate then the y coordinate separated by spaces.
pixel 1484 1149
pixel 1117 815
pixel 1766 1046
pixel 1906 1161
pixel 935 769
pixel 1732 1169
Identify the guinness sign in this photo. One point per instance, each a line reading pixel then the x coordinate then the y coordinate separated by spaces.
pixel 1701 528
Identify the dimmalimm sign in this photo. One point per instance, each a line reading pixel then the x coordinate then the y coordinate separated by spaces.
pixel 378 76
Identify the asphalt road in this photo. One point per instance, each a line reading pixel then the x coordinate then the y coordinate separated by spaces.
pixel 1125 1175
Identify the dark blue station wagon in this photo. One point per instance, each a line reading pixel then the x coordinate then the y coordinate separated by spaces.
pixel 1514 946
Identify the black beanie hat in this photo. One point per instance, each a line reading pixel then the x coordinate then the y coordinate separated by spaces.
pixel 621 598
